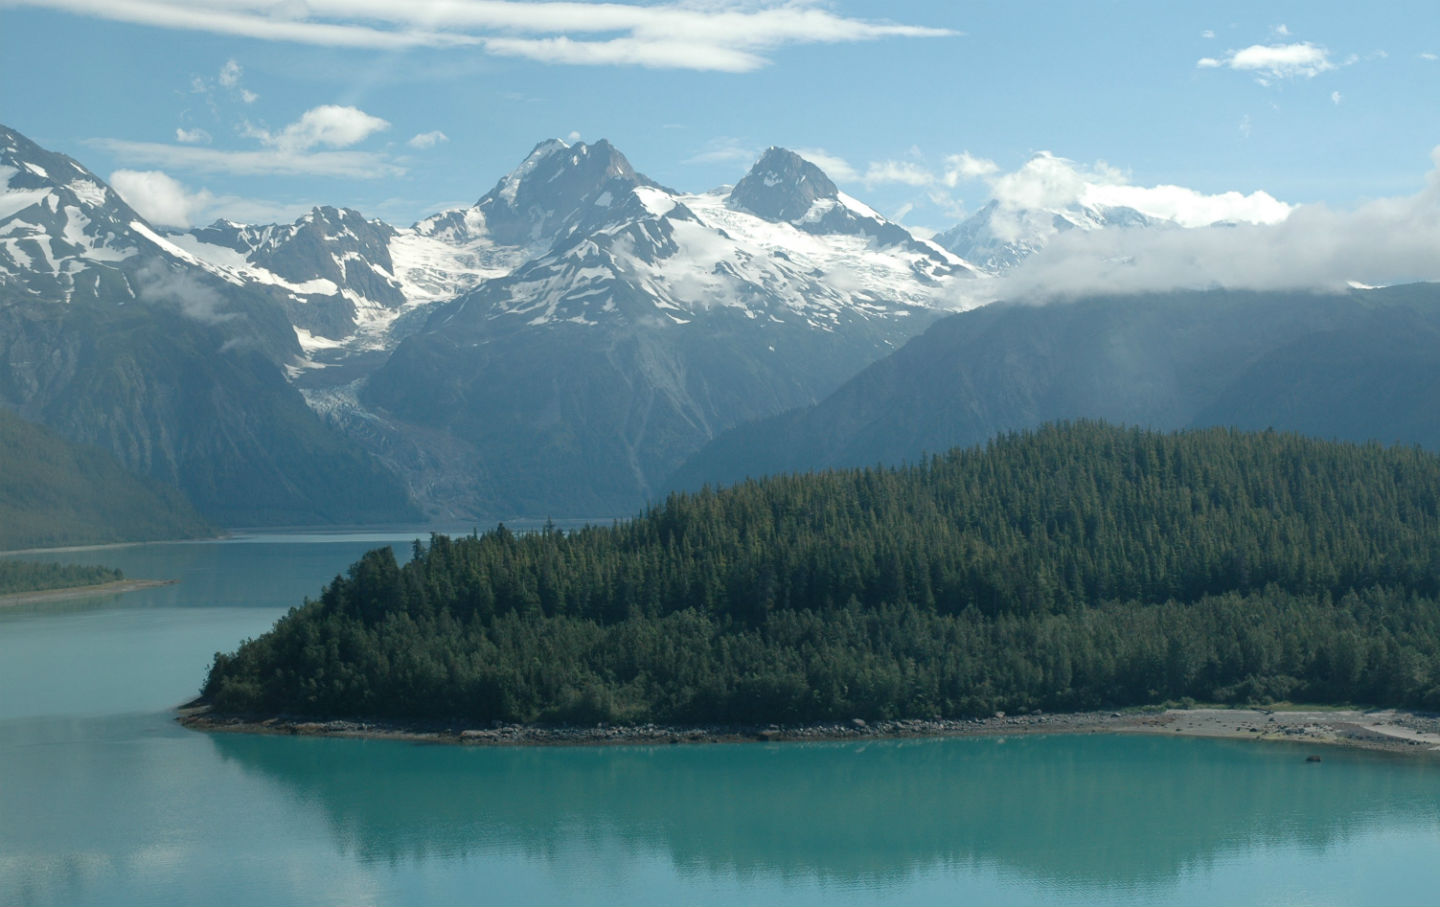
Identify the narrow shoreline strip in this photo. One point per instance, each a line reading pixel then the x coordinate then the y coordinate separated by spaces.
pixel 69 592
pixel 1387 730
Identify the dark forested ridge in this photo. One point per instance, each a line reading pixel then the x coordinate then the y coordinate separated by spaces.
pixel 1075 566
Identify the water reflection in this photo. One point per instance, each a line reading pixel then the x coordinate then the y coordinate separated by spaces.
pixel 1091 812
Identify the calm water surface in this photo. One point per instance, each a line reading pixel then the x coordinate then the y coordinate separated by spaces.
pixel 103 799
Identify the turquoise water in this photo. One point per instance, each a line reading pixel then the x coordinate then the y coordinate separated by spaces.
pixel 103 799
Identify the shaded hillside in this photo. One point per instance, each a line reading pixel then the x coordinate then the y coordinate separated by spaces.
pixel 54 493
pixel 1358 366
pixel 1072 567
pixel 188 404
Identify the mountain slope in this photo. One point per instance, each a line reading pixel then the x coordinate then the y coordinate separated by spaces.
pixel 1354 367
pixel 53 492
pixel 112 335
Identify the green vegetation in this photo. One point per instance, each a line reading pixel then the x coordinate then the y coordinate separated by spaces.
pixel 54 492
pixel 1076 566
pixel 33 576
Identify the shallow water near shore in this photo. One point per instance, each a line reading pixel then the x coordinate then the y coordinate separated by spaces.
pixel 104 799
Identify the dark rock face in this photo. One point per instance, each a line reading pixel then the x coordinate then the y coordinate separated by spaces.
pixel 782 186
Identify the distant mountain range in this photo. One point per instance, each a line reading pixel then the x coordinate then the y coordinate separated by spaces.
pixel 998 237
pixel 1359 366
pixel 563 345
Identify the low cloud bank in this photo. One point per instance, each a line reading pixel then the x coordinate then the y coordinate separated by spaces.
pixel 1386 241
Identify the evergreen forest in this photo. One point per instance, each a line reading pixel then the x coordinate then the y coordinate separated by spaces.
pixel 37 576
pixel 1076 566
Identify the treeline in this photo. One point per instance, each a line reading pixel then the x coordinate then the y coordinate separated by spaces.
pixel 36 576
pixel 1076 566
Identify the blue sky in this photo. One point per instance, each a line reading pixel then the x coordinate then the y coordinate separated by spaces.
pixel 256 109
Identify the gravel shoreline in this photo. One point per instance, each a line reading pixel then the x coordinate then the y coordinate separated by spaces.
pixel 1385 729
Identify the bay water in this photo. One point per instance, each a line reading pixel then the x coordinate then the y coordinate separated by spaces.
pixel 105 800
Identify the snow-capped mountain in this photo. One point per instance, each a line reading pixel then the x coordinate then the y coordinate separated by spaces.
pixel 784 187
pixel 784 243
pixel 64 233
pixel 998 237
pixel 644 321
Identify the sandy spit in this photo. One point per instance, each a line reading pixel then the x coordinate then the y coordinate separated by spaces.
pixel 55 595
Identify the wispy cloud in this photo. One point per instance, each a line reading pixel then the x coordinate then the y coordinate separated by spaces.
pixel 724 35
pixel 725 149
pixel 289 151
pixel 270 161
pixel 196 136
pixel 1274 61
pixel 907 173
pixel 230 74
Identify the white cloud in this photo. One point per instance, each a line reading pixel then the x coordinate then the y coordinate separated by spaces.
pixel 428 139
pixel 1336 97
pixel 835 167
pixel 1282 31
pixel 329 124
pixel 1049 181
pixel 1429 56
pixel 230 74
pixel 1207 33
pixel 1188 207
pixel 1275 61
pixel 574 136
pixel 248 96
pixel 196 136
pixel 1381 242
pixel 725 35
pixel 158 197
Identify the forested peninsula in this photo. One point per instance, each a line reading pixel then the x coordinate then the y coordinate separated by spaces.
pixel 1075 566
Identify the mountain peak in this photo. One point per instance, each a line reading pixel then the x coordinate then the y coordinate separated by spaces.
pixel 554 167
pixel 782 186
pixel 556 185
